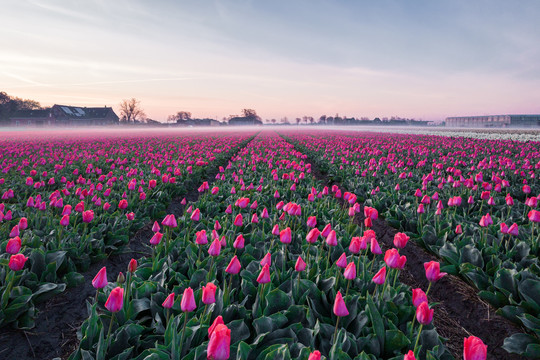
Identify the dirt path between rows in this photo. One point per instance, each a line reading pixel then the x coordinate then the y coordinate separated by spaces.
pixel 460 312
pixel 55 334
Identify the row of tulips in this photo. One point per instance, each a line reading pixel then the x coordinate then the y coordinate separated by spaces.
pixel 269 265
pixel 66 203
pixel 472 202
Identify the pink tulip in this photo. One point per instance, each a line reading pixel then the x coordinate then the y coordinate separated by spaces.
pixel 209 294
pixel 380 276
pixel 156 238
pixel 340 309
pixel 219 344
pixel 215 248
pixel 285 236
pixel 331 239
pixel 424 314
pixel 116 300
pixel 169 301
pixel 16 262
pixel 234 266
pixel 132 266
pixel 316 355
pixel 239 242
pixel 400 240
pixel 196 215
pixel 433 273
pixel 201 238
pixel 313 235
pixel 474 349
pixel 264 275
pixel 238 221
pixel 300 265
pixel 267 259
pixel 350 271
pixel 88 216
pixel 418 297
pixel 100 280
pixel 217 321
pixel 342 261
pixel 409 356
pixel 188 301
pixel 14 245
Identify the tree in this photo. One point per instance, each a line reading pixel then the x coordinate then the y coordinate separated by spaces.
pixel 298 121
pixel 322 119
pixel 250 114
pixel 131 111
pixel 9 105
pixel 181 115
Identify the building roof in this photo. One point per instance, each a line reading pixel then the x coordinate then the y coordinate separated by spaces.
pixel 78 112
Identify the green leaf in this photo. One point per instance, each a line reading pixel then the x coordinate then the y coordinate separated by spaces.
pixel 376 321
pixel 518 343
pixel 276 301
pixel 395 340
pixel 243 351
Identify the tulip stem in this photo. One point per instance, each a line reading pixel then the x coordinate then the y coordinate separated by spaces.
pixel 183 332
pixel 210 270
pixel 299 275
pixel 7 292
pixel 429 287
pixel 204 311
pixel 110 328
pixel 284 258
pixel 347 291
pixel 307 258
pixel 328 257
pixel 417 339
pixel 335 331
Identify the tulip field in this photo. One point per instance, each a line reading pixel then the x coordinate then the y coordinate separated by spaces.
pixel 270 244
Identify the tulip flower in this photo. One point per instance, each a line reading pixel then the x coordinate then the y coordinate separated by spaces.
pixel 459 229
pixel 234 266
pixel 209 294
pixel 238 221
pixel 285 236
pixel 88 216
pixel 14 245
pixel 267 259
pixel 375 247
pixel 14 231
pixel 380 277
pixel 217 321
pixel 340 310
pixel 116 300
pixel 201 238
pixel 169 302
pixel 300 265
pixel 16 262
pixel 23 223
pixel 313 235
pixel 196 215
pixel 513 229
pixel 354 246
pixel 400 240
pixel 219 344
pixel 155 227
pixel 132 266
pixel 326 230
pixel 188 301
pixel 215 248
pixel 409 356
pixel 424 315
pixel 311 221
pixel 100 280
pixel 433 273
pixel 316 355
pixel 239 242
pixel 418 297
pixel 264 275
pixel 156 238
pixel 474 349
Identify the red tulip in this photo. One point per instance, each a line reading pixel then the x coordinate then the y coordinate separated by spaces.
pixel 14 245
pixel 65 220
pixel 312 221
pixel 400 240
pixel 316 355
pixel 116 300
pixel 209 294
pixel 418 297
pixel 132 265
pixel 238 221
pixel 513 229
pixel 285 236
pixel 409 356
pixel 219 344
pixel 217 321
pixel 123 204
pixel 155 227
pixel 169 301
pixel 375 247
pixel 350 271
pixel 474 349
pixel 88 216
pixel 433 271
pixel 16 262
pixel 313 235
pixel 340 309
pixel 130 216
pixel 534 216
pixel 100 280
pixel 424 314
pixel 300 264
pixel 234 266
pixel 15 231
pixel 354 246
pixel 459 229
pixel 267 259
pixel 188 301
pixel 264 276
pixel 380 276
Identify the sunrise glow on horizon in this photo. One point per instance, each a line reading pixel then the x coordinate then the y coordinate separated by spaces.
pixel 419 59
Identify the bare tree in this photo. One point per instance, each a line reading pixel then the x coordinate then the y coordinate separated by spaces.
pixel 131 110
pixel 250 114
pixel 181 115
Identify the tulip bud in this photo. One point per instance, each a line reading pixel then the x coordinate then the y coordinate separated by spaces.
pixel 169 301
pixel 120 279
pixel 188 301
pixel 209 294
pixel 340 309
pixel 300 265
pixel 424 314
pixel 16 262
pixel 132 265
pixel 264 275
pixel 380 276
pixel 100 280
pixel 234 266
pixel 474 349
pixel 14 245
pixel 219 344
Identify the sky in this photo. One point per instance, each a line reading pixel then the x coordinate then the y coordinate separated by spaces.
pixel 417 59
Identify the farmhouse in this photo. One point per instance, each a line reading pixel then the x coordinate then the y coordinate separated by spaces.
pixel 494 121
pixel 62 115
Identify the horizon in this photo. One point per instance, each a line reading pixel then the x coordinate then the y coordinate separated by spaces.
pixel 419 60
